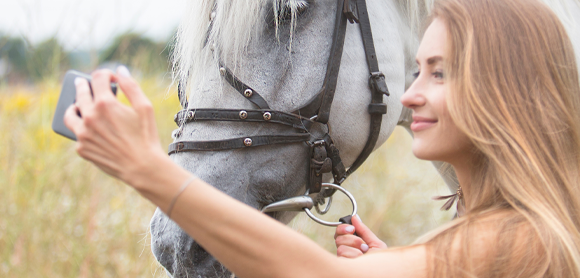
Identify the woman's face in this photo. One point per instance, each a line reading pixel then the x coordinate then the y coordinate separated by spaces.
pixel 436 137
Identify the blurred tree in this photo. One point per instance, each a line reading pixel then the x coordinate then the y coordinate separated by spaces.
pixel 13 58
pixel 138 52
pixel 47 60
pixel 14 50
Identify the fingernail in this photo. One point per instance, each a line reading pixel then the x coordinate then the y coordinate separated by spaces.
pixel 78 81
pixel 349 229
pixel 123 71
pixel 364 247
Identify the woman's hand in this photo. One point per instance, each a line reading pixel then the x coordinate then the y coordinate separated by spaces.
pixel 350 246
pixel 121 140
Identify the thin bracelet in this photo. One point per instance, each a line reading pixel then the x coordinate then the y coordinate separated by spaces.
pixel 181 189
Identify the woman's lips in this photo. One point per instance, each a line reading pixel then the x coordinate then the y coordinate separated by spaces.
pixel 421 123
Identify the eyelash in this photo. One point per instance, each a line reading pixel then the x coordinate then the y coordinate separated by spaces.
pixel 437 74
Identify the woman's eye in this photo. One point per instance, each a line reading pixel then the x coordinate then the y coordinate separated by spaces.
pixel 438 74
pixel 416 75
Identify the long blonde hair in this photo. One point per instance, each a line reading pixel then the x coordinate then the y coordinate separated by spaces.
pixel 515 93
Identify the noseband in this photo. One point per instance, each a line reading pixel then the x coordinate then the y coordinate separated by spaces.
pixel 324 156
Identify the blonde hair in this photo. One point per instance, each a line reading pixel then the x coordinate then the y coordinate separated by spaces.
pixel 515 93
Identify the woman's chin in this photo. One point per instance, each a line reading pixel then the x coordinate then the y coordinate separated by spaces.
pixel 422 151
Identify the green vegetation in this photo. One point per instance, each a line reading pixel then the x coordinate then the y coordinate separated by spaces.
pixel 61 217
pixel 48 60
pixel 137 52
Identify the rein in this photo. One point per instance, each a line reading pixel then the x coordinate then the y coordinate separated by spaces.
pixel 324 156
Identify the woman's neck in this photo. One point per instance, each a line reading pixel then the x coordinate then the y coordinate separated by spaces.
pixel 464 171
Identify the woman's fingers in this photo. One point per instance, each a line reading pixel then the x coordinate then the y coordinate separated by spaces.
pixel 367 235
pixel 101 83
pixel 130 87
pixel 343 229
pixel 350 246
pixel 71 120
pixel 84 100
pixel 349 240
pixel 137 98
pixel 348 252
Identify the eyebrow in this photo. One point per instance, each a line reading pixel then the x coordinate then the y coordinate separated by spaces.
pixel 432 60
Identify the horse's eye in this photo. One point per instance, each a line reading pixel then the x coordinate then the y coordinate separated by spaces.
pixel 284 8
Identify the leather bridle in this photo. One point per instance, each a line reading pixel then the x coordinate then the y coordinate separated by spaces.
pixel 324 156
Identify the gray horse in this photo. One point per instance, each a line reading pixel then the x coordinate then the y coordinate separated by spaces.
pixel 281 48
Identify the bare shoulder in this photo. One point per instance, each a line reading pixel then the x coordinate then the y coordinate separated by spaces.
pixel 490 242
pixel 481 242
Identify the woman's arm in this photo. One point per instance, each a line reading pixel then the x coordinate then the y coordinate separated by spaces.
pixel 252 244
pixel 123 142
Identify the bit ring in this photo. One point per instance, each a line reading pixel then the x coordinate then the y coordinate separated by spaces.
pixel 333 224
pixel 326 209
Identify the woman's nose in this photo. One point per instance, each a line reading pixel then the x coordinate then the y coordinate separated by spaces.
pixel 413 97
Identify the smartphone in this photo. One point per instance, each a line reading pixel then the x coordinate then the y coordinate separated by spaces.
pixel 67 98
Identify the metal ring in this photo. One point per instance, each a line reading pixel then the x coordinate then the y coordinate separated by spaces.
pixel 326 209
pixel 333 224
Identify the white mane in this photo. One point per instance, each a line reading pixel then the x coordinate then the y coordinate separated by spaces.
pixel 211 27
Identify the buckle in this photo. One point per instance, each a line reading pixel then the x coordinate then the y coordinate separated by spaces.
pixel 378 84
pixel 350 9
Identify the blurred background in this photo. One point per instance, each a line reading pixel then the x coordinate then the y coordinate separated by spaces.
pixel 62 217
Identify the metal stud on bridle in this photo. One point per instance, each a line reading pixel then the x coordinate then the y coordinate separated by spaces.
pixel 267 116
pixel 248 142
pixel 248 93
pixel 243 114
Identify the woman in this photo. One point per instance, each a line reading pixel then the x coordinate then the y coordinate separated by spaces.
pixel 499 102
pixel 496 96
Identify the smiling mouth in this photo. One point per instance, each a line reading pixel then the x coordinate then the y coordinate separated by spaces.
pixel 422 124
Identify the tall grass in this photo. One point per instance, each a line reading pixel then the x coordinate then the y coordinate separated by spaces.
pixel 62 217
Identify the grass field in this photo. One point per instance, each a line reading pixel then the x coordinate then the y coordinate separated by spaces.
pixel 62 217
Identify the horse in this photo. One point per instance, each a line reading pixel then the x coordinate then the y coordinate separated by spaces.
pixel 281 48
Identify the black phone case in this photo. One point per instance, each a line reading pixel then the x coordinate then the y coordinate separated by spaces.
pixel 66 99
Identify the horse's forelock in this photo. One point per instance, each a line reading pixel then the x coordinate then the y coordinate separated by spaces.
pixel 234 24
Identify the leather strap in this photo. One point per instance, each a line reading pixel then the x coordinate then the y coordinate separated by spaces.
pixel 242 88
pixel 243 115
pixel 377 85
pixel 320 104
pixel 236 143
pixel 333 67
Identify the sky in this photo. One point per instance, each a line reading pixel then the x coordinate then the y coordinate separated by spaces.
pixel 86 24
